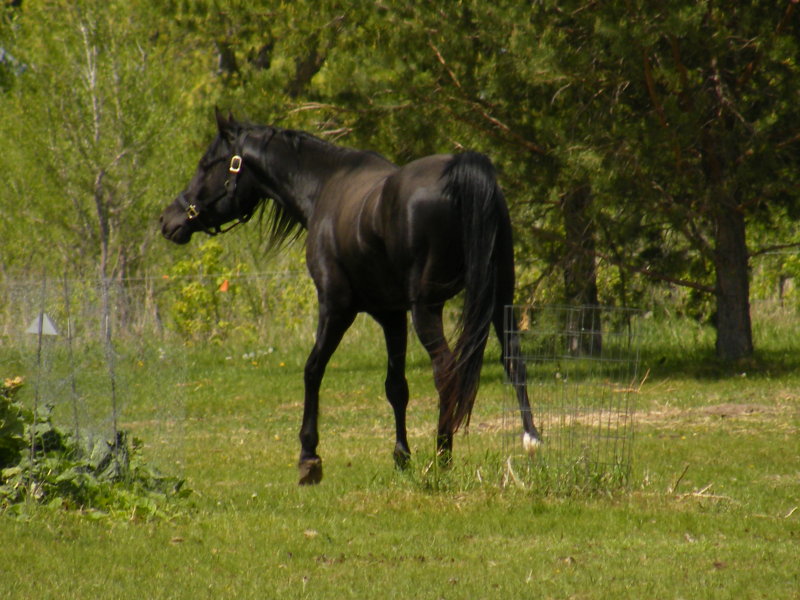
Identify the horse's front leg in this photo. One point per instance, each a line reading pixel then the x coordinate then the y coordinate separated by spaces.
pixel 330 329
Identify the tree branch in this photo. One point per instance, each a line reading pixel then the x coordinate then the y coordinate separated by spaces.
pixel 659 108
pixel 774 248
pixel 646 271
pixel 481 111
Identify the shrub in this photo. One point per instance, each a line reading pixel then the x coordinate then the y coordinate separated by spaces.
pixel 40 464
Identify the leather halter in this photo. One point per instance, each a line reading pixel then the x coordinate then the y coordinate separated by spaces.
pixel 195 212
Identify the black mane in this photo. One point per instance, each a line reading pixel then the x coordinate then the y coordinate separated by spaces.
pixel 281 224
pixel 341 153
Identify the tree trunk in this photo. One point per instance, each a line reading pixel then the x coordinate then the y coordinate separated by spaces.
pixel 584 332
pixel 732 290
pixel 734 329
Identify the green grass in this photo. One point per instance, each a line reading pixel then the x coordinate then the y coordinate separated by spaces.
pixel 708 512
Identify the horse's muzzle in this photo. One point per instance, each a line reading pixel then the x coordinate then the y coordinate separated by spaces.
pixel 175 226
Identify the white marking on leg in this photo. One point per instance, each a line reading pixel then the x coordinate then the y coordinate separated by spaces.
pixel 530 443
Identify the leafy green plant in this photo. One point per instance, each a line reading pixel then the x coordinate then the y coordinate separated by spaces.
pixel 211 297
pixel 42 465
pixel 12 424
pixel 196 306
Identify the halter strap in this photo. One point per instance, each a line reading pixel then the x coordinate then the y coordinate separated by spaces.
pixel 193 212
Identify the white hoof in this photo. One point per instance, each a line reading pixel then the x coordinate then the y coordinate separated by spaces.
pixel 530 443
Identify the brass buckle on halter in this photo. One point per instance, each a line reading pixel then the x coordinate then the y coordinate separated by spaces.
pixel 236 164
pixel 191 212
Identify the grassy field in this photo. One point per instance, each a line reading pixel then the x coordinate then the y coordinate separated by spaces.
pixel 710 511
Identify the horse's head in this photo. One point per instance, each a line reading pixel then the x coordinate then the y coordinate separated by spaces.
pixel 221 190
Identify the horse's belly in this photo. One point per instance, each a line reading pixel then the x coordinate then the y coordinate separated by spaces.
pixel 377 286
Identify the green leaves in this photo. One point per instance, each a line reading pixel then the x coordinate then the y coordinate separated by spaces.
pixel 13 417
pixel 88 118
pixel 197 304
pixel 39 463
pixel 666 115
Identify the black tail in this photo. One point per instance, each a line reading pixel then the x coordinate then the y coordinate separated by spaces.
pixel 472 186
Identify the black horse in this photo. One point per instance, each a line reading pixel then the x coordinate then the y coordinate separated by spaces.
pixel 381 239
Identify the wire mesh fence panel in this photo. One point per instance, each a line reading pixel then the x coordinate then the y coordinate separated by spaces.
pixel 96 357
pixel 582 375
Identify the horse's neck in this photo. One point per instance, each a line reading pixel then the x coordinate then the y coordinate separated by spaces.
pixel 304 180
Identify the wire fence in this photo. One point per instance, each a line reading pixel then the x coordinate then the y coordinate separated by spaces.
pixel 105 356
pixel 107 367
pixel 97 360
pixel 582 376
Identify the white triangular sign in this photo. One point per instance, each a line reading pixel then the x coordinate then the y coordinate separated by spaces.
pixel 43 321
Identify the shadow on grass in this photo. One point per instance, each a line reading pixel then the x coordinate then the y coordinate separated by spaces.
pixel 703 364
pixel 685 348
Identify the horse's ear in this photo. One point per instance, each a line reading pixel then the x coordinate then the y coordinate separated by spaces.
pixel 226 126
pixel 222 124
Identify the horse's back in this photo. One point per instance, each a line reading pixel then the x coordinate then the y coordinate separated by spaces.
pixel 394 234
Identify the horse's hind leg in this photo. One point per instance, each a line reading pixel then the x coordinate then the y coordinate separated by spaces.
pixel 395 331
pixel 428 325
pixel 507 331
pixel 330 329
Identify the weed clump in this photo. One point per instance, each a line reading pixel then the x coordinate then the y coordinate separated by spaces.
pixel 41 465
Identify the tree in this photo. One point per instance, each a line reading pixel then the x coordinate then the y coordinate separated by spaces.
pixel 630 137
pixel 719 152
pixel 662 134
pixel 636 143
pixel 88 117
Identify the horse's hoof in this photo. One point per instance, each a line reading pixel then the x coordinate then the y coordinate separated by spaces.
pixel 402 458
pixel 445 458
pixel 310 471
pixel 530 443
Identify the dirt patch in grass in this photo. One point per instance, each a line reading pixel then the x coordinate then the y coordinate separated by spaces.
pixel 787 415
pixel 731 409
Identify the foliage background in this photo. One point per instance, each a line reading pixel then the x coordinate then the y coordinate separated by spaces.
pixel 104 108
pixel 628 138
